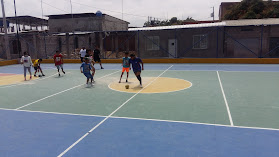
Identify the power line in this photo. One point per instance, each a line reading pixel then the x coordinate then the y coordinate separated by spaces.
pixel 119 12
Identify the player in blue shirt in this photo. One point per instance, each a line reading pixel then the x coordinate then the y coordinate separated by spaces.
pixel 85 68
pixel 125 65
pixel 137 65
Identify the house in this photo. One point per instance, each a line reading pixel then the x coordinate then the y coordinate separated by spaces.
pixel 85 22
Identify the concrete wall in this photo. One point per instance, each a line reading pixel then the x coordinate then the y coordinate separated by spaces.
pixel 76 24
pixel 184 41
pixel 104 23
pixel 113 24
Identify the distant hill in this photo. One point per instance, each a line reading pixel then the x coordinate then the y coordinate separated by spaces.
pixel 252 9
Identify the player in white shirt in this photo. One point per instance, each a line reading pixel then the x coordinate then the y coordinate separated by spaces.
pixel 82 53
pixel 26 61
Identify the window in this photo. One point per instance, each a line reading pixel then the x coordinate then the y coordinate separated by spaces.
pixel 200 42
pixel 152 43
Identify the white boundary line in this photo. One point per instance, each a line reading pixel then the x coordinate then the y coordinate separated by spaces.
pixel 196 123
pixel 61 92
pixel 191 84
pixel 55 113
pixel 225 99
pixel 90 131
pixel 144 119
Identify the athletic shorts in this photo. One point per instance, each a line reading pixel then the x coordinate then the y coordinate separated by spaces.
pixel 36 68
pixel 136 71
pixel 88 75
pixel 125 69
pixel 59 66
pixel 97 59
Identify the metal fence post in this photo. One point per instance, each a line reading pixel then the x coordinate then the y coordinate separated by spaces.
pixel 138 44
pixel 175 42
pixel 261 52
pixel 217 42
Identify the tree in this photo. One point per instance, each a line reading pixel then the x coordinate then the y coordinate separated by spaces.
pixel 253 9
pixel 172 21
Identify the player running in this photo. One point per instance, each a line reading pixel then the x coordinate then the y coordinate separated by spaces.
pixel 137 68
pixel 37 67
pixel 85 68
pixel 27 63
pixel 126 66
pixel 97 57
pixel 58 60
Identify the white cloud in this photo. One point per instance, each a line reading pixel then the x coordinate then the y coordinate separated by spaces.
pixel 198 9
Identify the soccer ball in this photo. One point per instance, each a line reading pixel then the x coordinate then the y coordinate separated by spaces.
pixel 127 86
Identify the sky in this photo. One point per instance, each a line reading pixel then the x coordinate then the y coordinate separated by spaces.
pixel 135 11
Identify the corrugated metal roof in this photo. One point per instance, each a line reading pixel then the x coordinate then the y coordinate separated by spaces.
pixel 179 26
pixel 253 22
pixel 244 22
pixel 75 33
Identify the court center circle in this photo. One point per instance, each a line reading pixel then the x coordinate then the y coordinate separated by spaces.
pixel 152 85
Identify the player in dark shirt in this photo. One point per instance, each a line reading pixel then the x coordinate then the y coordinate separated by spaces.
pixel 97 57
pixel 137 65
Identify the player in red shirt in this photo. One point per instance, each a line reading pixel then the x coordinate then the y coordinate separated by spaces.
pixel 58 60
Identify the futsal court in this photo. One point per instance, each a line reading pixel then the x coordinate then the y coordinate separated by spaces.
pixel 197 110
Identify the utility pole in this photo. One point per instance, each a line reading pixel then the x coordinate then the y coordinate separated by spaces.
pixel 17 34
pixel 72 16
pixel 44 33
pixel 122 15
pixel 8 54
pixel 213 14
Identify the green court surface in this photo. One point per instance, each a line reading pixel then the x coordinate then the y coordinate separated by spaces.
pixel 225 96
pixel 251 96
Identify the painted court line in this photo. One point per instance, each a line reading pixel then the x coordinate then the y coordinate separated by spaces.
pixel 61 92
pixel 85 135
pixel 144 119
pixel 54 113
pixel 225 99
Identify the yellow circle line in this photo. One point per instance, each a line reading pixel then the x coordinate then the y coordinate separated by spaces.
pixel 155 92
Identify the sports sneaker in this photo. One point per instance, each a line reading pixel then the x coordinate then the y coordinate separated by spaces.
pixel 102 68
pixel 35 75
pixel 59 75
pixel 43 75
pixel 64 72
pixel 141 86
pixel 119 82
pixel 126 80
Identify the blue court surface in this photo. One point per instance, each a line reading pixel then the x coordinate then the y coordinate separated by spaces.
pixel 225 110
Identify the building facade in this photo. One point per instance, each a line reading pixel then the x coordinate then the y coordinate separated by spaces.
pixel 87 22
